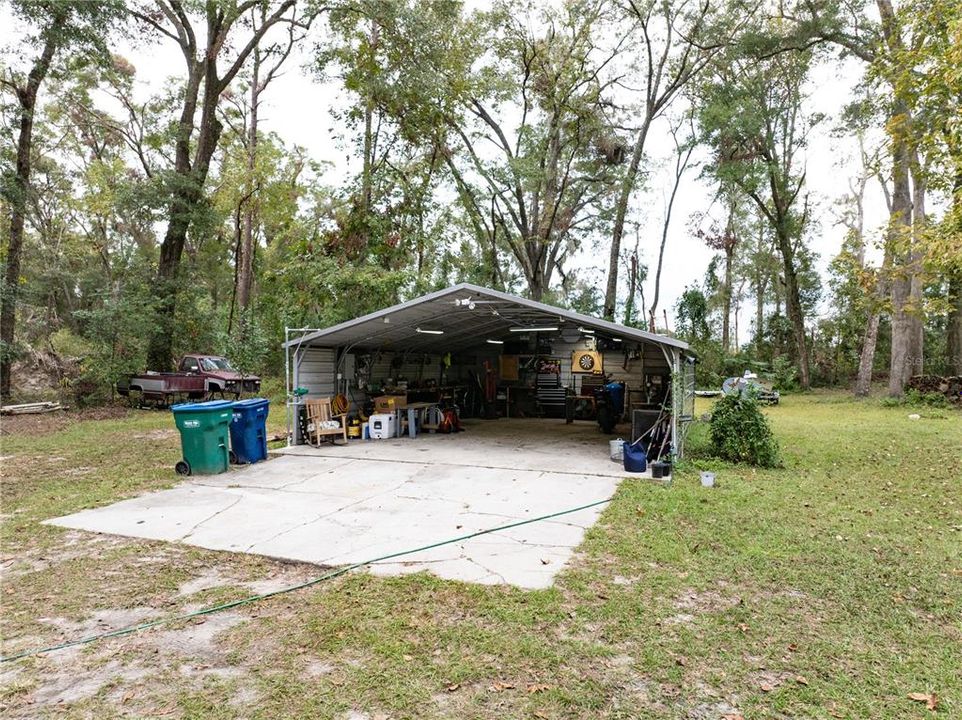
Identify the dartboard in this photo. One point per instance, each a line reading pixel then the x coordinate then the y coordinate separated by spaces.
pixel 586 362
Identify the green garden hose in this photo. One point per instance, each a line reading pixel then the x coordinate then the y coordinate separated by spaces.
pixel 254 598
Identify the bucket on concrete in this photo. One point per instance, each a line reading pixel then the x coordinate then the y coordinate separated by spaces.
pixel 634 458
pixel 617 448
pixel 707 479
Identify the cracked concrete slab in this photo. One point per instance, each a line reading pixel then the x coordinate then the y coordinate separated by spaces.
pixel 346 505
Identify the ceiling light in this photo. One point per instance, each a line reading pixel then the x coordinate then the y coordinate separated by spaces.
pixel 616 339
pixel 588 331
pixel 545 328
pixel 430 332
pixel 496 342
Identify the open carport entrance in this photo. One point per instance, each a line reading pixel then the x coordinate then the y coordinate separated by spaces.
pixel 496 356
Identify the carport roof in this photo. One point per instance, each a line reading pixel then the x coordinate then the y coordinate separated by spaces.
pixel 462 316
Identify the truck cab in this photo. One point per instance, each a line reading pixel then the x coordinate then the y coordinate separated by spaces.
pixel 221 376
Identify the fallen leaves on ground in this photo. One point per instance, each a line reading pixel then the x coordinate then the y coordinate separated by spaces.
pixel 500 686
pixel 538 687
pixel 931 700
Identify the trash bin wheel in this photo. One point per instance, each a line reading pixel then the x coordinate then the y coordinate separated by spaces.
pixel 182 468
pixel 232 456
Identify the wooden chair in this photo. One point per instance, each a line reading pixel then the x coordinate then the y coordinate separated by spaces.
pixel 318 412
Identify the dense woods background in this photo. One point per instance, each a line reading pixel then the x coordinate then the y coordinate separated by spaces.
pixel 502 146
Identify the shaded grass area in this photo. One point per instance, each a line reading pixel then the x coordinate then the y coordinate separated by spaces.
pixel 830 587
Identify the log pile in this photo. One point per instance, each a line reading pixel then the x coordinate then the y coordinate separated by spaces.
pixel 950 386
pixel 31 408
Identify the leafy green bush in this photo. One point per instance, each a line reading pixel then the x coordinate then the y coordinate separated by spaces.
pixel 914 398
pixel 740 432
pixel 784 374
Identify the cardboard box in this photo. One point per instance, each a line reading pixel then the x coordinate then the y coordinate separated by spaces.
pixel 389 403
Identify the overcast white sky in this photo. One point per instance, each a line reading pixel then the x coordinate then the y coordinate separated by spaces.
pixel 298 108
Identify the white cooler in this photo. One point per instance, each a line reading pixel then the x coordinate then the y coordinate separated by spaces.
pixel 381 427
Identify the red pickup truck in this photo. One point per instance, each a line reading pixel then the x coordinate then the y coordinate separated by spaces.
pixel 198 377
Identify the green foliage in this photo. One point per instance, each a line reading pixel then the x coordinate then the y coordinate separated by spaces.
pixel 914 398
pixel 691 315
pixel 66 343
pixel 740 432
pixel 784 374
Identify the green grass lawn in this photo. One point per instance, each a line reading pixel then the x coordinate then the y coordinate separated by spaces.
pixel 831 587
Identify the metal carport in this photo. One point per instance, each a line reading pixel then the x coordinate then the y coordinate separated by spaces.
pixel 467 317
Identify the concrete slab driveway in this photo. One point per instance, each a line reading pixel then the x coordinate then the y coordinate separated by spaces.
pixel 347 505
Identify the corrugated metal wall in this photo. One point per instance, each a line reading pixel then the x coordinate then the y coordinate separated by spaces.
pixel 316 371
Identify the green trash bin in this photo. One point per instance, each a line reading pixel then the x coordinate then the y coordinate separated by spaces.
pixel 204 429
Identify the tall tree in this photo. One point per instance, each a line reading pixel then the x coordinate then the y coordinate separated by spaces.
pixel 725 238
pixel 205 39
pixel 752 117
pixel 61 26
pixel 674 42
pixel 684 147
pixel 886 46
pixel 267 59
pixel 534 186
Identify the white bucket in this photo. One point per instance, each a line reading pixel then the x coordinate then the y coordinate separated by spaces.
pixel 707 479
pixel 617 449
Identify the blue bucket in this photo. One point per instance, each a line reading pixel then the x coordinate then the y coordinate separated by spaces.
pixel 635 459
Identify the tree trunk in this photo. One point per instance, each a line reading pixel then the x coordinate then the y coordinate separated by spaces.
pixel 866 361
pixel 727 298
pixel 187 197
pixel 899 232
pixel 793 308
pixel 17 197
pixel 621 211
pixel 953 335
pixel 632 288
pixel 245 255
pixel 953 339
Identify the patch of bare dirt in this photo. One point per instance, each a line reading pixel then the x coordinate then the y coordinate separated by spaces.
pixel 77 686
pixel 162 434
pixel 707 601
pixel 46 423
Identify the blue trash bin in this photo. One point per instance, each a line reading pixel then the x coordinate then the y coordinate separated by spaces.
pixel 248 431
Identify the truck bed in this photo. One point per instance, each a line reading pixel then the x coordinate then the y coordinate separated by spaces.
pixel 164 387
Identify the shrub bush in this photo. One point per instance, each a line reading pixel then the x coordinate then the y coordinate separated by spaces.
pixel 740 432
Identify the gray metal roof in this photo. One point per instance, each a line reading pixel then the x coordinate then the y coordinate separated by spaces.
pixel 450 310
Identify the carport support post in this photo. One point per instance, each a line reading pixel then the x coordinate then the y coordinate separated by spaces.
pixel 287 383
pixel 290 377
pixel 677 401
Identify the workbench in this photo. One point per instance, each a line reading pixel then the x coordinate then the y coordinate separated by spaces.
pixel 415 413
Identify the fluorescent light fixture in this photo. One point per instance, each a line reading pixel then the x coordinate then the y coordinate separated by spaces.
pixel 587 331
pixel 616 339
pixel 540 328
pixel 424 331
pixel 495 342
